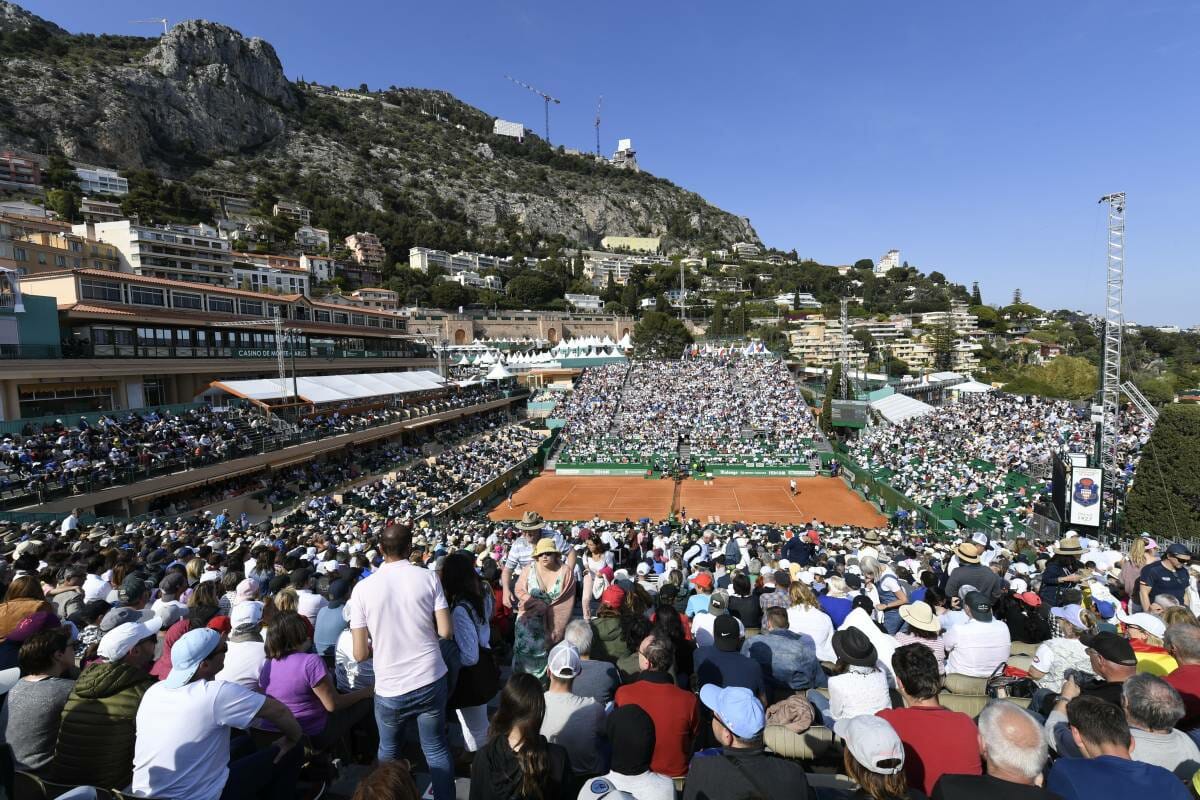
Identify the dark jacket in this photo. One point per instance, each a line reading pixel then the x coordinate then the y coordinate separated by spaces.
pixel 745 773
pixel 608 639
pixel 496 774
pixel 95 739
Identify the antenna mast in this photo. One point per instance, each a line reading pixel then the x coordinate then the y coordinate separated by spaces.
pixel 599 103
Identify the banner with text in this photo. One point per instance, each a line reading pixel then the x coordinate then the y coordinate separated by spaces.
pixel 1085 496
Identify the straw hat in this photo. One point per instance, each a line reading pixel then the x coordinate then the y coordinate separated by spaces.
pixel 967 552
pixel 920 615
pixel 1069 546
pixel 531 521
pixel 545 546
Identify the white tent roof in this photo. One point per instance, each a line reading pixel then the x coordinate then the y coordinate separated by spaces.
pixel 626 343
pixel 497 373
pixel 336 388
pixel 973 387
pixel 899 407
pixel 938 377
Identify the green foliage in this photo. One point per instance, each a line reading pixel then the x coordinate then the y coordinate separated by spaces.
pixel 65 202
pixel 831 389
pixel 659 335
pixel 976 297
pixel 716 325
pixel 154 200
pixel 943 347
pixel 532 289
pixel 60 174
pixel 1068 377
pixel 1165 497
pixel 450 295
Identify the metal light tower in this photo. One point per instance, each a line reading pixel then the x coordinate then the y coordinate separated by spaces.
pixel 599 103
pixel 844 354
pixel 1114 327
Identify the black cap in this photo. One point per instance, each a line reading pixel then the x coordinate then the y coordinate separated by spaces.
pixel 133 588
pixel 853 581
pixel 981 607
pixel 301 577
pixel 727 634
pixel 1111 647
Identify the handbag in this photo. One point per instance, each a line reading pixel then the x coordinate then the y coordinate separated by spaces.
pixel 1015 682
pixel 477 683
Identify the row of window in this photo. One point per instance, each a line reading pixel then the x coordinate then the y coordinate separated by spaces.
pixel 113 340
pixel 111 291
pixel 21 254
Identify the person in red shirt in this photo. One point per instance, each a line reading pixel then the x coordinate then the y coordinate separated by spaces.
pixel 675 711
pixel 937 741
pixel 1183 642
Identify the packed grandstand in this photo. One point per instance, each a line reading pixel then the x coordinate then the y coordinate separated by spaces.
pixel 199 653
pixel 736 410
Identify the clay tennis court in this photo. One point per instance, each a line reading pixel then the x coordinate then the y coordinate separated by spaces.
pixel 768 500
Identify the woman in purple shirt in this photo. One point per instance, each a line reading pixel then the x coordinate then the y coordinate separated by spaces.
pixel 299 679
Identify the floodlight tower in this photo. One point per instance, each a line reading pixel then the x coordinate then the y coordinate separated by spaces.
pixel 1114 327
pixel 844 354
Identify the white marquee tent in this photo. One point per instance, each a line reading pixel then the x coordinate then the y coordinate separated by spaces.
pixel 337 388
pixel 899 407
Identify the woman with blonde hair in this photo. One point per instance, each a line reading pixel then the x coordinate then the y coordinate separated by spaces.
pixel 874 759
pixel 805 615
pixel 1141 553
pixel 1178 615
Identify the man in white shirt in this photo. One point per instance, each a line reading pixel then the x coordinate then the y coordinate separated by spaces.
pixel 397 616
pixel 308 602
pixel 979 645
pixel 70 524
pixel 182 751
pixel 95 587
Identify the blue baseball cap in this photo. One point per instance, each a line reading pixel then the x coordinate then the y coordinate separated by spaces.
pixel 1178 549
pixel 736 707
pixel 191 649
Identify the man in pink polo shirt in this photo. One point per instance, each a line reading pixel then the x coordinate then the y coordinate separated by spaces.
pixel 397 616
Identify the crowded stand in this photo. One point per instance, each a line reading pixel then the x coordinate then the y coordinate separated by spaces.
pixel 731 410
pixel 970 452
pixel 591 658
pixel 36 465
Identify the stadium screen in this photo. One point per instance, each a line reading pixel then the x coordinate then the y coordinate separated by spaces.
pixel 849 413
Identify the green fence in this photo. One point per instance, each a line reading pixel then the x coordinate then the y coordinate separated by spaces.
pixel 794 471
pixel 582 468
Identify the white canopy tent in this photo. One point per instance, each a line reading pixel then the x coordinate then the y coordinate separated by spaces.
pixel 973 387
pixel 497 373
pixel 899 407
pixel 337 388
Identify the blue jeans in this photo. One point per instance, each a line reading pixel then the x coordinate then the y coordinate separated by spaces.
pixel 428 705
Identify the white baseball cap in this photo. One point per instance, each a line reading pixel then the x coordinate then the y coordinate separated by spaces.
pixel 873 742
pixel 247 612
pixel 117 643
pixel 564 661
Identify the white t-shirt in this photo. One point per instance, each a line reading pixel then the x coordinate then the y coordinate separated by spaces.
pixel 242 664
pixel 349 674
pixel 308 604
pixel 1055 656
pixel 976 648
pixel 396 604
pixel 817 624
pixel 194 720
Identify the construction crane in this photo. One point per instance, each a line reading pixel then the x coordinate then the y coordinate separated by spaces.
pixel 599 103
pixel 546 99
pixel 160 21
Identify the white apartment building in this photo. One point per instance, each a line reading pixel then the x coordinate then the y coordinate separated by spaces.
pixel 745 249
pixel 311 239
pixel 422 258
pixel 917 354
pixel 884 330
pixel 277 280
pixel 366 249
pixel 193 253
pixel 321 268
pixel 584 302
pixel 96 210
pixel 889 262
pixel 293 211
pixel 475 280
pixel 99 180
pixel 806 300
pixel 599 271
pixel 959 318
pixel 817 342
pixel 710 283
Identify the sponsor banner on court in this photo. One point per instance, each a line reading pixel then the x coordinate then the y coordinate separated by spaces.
pixel 763 472
pixel 1085 496
pixel 601 471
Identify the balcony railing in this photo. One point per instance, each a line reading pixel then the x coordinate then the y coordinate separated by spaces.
pixel 89 350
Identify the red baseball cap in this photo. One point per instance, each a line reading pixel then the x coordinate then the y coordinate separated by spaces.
pixel 704 579
pixel 613 597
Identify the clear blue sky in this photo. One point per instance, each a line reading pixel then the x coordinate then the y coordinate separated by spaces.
pixel 974 137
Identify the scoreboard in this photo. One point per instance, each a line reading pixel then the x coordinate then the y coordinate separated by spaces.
pixel 849 413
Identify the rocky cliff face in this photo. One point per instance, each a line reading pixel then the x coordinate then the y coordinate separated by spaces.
pixel 205 104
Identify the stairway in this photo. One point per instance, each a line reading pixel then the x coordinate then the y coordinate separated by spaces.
pixel 685 452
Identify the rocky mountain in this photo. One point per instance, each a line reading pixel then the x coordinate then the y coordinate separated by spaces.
pixel 206 105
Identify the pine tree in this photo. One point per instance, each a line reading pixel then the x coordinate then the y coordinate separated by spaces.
pixel 976 297
pixel 1165 498
pixel 943 347
pixel 716 325
pixel 1016 296
pixel 831 388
